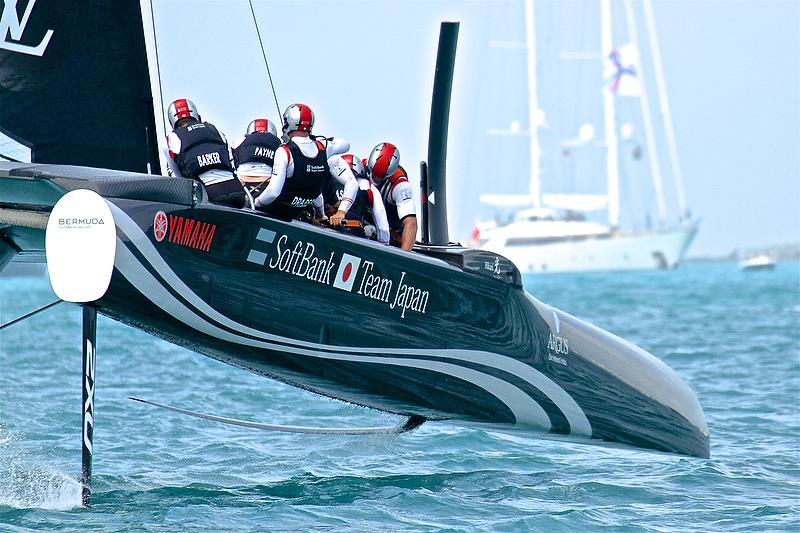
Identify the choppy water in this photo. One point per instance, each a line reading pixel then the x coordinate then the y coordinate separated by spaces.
pixel 734 336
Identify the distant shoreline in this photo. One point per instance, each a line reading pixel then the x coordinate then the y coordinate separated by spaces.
pixel 783 252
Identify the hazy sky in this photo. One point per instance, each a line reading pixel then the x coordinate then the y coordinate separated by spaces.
pixel 732 70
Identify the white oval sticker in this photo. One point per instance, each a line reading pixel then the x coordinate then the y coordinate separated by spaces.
pixel 80 243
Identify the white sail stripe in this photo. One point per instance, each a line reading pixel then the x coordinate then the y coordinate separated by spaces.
pixel 524 408
pixel 579 423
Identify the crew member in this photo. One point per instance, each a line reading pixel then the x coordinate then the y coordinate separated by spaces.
pixel 301 166
pixel 367 216
pixel 391 179
pixel 197 150
pixel 254 156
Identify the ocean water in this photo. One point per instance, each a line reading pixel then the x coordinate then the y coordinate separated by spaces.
pixel 734 336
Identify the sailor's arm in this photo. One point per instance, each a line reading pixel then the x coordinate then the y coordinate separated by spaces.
pixel 234 152
pixel 319 209
pixel 342 173
pixel 406 212
pixel 336 145
pixel 280 168
pixel 409 232
pixel 379 215
pixel 173 147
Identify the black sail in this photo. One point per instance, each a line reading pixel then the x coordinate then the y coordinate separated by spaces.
pixel 74 85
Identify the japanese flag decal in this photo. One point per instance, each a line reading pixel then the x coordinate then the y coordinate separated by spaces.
pixel 348 270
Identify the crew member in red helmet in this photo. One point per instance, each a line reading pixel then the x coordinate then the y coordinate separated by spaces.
pixel 367 216
pixel 302 165
pixel 197 150
pixel 383 166
pixel 254 156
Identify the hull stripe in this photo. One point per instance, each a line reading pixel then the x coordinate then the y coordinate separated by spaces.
pixel 579 424
pixel 525 409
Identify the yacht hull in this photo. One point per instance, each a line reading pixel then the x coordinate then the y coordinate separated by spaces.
pixel 651 250
pixel 406 333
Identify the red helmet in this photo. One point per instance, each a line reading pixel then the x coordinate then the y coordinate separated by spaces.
pixel 383 161
pixel 261 125
pixel 180 109
pixel 297 117
pixel 355 163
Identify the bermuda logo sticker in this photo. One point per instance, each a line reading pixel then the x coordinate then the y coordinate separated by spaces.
pixel 160 226
pixel 347 273
pixel 12 28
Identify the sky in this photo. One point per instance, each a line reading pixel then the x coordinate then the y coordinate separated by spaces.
pixel 731 70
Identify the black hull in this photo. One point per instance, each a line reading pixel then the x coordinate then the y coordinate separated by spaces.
pixel 402 332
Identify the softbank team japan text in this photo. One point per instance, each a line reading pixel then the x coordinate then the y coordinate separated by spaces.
pixel 302 261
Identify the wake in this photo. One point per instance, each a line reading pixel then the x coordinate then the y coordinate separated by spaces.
pixel 26 484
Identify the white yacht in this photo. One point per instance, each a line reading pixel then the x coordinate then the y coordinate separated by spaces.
pixel 581 232
pixel 757 262
pixel 545 240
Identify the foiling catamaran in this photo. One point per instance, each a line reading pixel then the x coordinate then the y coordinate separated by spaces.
pixel 443 333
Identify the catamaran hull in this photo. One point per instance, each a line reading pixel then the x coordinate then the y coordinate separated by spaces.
pixel 652 250
pixel 353 320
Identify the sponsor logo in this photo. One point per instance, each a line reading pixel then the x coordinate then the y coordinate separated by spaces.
pixel 12 28
pixel 556 343
pixel 190 233
pixel 353 273
pixel 88 385
pixel 315 168
pixel 493 266
pixel 405 296
pixel 302 261
pixel 301 202
pixel 195 126
pixel 160 226
pixel 79 223
pixel 264 152
pixel 209 159
pixel 409 297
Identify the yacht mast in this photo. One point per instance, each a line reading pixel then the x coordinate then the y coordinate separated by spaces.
pixel 612 156
pixel 533 107
pixel 655 167
pixel 662 98
pixel 154 70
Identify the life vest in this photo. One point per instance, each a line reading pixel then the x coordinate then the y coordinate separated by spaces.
pixel 257 148
pixel 202 149
pixel 361 208
pixel 309 176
